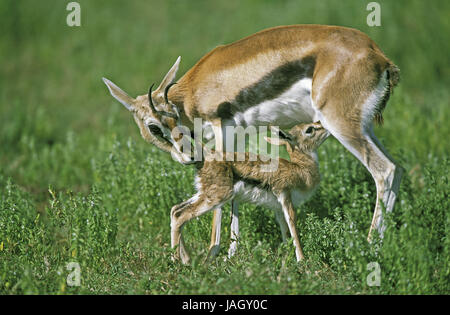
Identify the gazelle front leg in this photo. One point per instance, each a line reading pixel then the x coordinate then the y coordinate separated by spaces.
pixel 218 136
pixel 234 228
pixel 290 217
pixel 214 246
pixel 215 233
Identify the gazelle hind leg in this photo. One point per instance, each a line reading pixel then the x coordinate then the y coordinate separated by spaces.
pixel 234 228
pixel 347 111
pixel 363 144
pixel 389 186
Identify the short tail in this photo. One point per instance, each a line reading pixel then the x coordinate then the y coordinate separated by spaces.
pixel 393 77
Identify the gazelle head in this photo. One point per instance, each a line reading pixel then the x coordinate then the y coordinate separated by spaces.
pixel 304 137
pixel 155 115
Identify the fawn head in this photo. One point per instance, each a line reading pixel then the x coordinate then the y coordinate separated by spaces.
pixel 304 137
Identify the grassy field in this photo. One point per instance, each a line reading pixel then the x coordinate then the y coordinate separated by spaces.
pixel 78 184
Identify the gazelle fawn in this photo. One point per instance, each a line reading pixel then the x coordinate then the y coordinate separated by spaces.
pixel 288 185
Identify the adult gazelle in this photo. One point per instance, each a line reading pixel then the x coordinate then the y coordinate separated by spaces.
pixel 283 76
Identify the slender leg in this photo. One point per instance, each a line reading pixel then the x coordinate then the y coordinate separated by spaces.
pixel 214 246
pixel 388 184
pixel 189 210
pixel 279 216
pixel 345 110
pixel 175 209
pixel 387 175
pixel 290 217
pixel 234 228
pixel 180 214
pixel 218 134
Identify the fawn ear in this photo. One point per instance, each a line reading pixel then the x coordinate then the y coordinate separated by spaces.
pixel 275 141
pixel 281 133
pixel 170 76
pixel 284 138
pixel 119 95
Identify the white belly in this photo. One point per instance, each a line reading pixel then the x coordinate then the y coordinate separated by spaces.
pixel 292 107
pixel 244 192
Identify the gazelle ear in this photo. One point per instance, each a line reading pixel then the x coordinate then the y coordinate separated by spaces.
pixel 170 76
pixel 119 95
pixel 275 141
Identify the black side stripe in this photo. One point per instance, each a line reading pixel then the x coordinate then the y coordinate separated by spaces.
pixel 269 87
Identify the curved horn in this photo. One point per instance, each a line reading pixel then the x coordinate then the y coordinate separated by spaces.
pixel 166 90
pixel 150 100
pixel 152 106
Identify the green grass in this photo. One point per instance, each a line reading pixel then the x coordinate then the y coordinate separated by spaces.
pixel 77 183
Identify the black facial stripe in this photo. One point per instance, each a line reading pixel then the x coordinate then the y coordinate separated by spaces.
pixel 268 87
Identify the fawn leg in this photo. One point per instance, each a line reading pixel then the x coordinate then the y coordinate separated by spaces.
pixel 214 246
pixel 290 217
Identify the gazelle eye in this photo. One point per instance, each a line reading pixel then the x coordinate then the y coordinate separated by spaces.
pixel 309 130
pixel 154 129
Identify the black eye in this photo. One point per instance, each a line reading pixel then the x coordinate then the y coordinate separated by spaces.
pixel 309 130
pixel 155 130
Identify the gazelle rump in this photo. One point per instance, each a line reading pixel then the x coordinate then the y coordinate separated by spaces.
pixel 292 74
pixel 290 184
